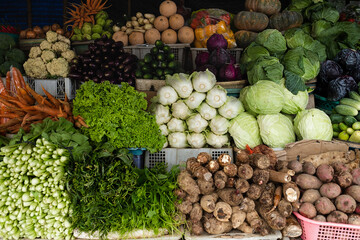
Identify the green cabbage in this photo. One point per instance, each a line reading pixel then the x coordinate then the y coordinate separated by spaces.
pixel 313 124
pixel 302 62
pixel 317 47
pixel 299 5
pixel 265 68
pixel 244 129
pixel 295 37
pixel 276 130
pixel 295 103
pixel 272 40
pixel 242 98
pixel 322 11
pixel 252 53
pixel 319 26
pixel 306 27
pixel 265 97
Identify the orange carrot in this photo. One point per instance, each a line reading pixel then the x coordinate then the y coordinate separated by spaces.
pixel 46 109
pixel 16 79
pixel 24 94
pixel 52 99
pixel 10 123
pixel 20 98
pixel 38 97
pixel 82 122
pixel 8 81
pixel 7 104
pixel 24 119
pixel 66 98
pixel 20 77
pixel 66 106
pixel 9 115
pixel 38 116
pixel 3 90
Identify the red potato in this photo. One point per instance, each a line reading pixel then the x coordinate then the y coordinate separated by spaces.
pixel 337 217
pixel 330 190
pixel 324 206
pixel 296 166
pixel 357 209
pixel 309 168
pixel 354 219
pixel 310 196
pixel 344 179
pixel 325 173
pixel 356 176
pixel 354 191
pixel 320 218
pixel 345 203
pixel 306 181
pixel 307 210
pixel 339 167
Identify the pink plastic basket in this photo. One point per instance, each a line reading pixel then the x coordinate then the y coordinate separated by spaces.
pixel 314 230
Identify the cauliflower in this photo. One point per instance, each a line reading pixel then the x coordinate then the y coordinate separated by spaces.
pixel 35 68
pixel 45 45
pixel 35 52
pixel 58 67
pixel 64 39
pixel 51 36
pixel 60 47
pixel 47 55
pixel 68 55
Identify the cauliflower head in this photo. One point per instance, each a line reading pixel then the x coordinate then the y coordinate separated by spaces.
pixel 64 39
pixel 47 55
pixel 35 52
pixel 68 55
pixel 51 36
pixel 35 68
pixel 58 67
pixel 60 47
pixel 45 45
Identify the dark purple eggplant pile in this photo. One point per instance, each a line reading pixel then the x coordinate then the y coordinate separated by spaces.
pixel 105 60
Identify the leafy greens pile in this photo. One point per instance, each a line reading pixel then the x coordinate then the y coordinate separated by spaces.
pixel 117 115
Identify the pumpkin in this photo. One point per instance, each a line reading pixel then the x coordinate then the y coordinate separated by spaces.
pixel 286 20
pixel 269 7
pixel 251 21
pixel 245 38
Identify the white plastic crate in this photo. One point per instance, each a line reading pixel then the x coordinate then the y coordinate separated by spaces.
pixel 178 156
pixel 56 87
pixel 235 234
pixel 235 52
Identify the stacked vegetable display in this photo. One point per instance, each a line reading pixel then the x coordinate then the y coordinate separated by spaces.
pixel 51 59
pixel 39 32
pixel 218 195
pixel 191 110
pixel 218 60
pixel 106 60
pixel 9 55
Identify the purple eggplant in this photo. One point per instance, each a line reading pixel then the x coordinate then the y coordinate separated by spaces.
pixel 130 59
pixel 108 74
pixel 128 68
pixel 99 74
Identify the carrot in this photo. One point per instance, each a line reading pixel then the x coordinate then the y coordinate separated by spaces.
pixel 52 99
pixel 67 107
pixel 10 123
pixel 82 122
pixel 16 79
pixel 277 198
pixel 66 98
pixel 22 105
pixel 38 97
pixel 38 116
pixel 24 94
pixel 3 90
pixel 8 81
pixel 24 119
pixel 78 124
pixel 7 104
pixel 20 98
pixel 20 76
pixel 9 115
pixel 46 109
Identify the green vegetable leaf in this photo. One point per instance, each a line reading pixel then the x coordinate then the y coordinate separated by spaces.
pixel 294 82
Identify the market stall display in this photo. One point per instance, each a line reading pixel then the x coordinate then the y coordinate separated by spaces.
pixel 10 55
pixel 40 32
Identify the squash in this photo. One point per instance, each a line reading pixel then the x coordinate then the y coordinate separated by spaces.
pixel 136 38
pixel 176 21
pixel 121 36
pixel 169 36
pixel 152 35
pixel 268 7
pixel 245 38
pixel 251 21
pixel 286 20
pixel 161 23
pixel 167 8
pixel 186 35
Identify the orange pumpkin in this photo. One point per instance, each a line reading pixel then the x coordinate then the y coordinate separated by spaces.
pixel 244 38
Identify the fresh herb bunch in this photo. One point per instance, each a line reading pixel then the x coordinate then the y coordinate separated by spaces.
pixel 117 115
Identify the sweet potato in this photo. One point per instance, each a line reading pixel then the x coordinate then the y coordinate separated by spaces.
pixel 196 212
pixel 223 211
pixel 354 191
pixel 310 196
pixel 330 190
pixel 337 217
pixel 296 166
pixel 356 176
pixel 220 179
pixel 213 166
pixel 254 191
pixel 187 183
pixel 245 171
pixel 324 206
pixel 354 219
pixel 238 217
pixel 203 158
pixel 214 226
pixel 242 185
pixel 230 196
pixel 230 170
pixel 307 210
pixel 260 177
pixel 306 181
pixel 357 209
pixel 345 203
pixel 309 168
pixel 247 205
pixel 344 179
pixel 325 173
pixel 320 218
pixel 206 187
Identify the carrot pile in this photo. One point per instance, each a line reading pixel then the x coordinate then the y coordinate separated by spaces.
pixel 24 107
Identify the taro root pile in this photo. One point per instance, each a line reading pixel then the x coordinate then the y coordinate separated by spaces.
pixel 218 196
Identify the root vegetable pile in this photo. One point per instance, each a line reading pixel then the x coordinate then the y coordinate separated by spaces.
pixel 217 195
pixel 330 192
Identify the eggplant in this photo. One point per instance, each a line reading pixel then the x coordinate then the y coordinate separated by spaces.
pixel 92 56
pixel 73 65
pixel 86 53
pixel 117 62
pixel 74 61
pixel 126 75
pixel 119 73
pixel 131 82
pixel 87 60
pixel 128 68
pixel 74 76
pixel 100 42
pixel 107 44
pixel 92 47
pixel 133 75
pixel 105 66
pixel 119 45
pixel 97 60
pixel 91 73
pixel 86 78
pixel 105 50
pixel 98 52
pixel 92 65
pixel 113 69
pixel 99 74
pixel 96 79
pixel 121 66
pixel 85 65
pixel 113 51
pixel 111 63
pixel 130 59
pixel 108 74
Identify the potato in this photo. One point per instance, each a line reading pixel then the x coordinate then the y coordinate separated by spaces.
pixel 309 168
pixel 324 206
pixel 354 191
pixel 337 217
pixel 356 176
pixel 339 167
pixel 306 181
pixel 307 210
pixel 344 179
pixel 345 203
pixel 310 196
pixel 325 173
pixel 354 219
pixel 320 218
pixel 330 190
pixel 296 166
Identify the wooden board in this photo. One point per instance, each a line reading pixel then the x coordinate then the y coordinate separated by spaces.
pixel 233 84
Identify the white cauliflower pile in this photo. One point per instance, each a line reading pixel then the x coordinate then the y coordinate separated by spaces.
pixel 51 58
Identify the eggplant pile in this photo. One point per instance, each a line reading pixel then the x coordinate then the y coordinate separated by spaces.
pixel 105 60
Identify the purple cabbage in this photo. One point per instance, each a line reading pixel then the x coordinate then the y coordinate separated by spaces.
pixel 228 72
pixel 348 58
pixel 211 68
pixel 216 41
pixel 219 57
pixel 340 87
pixel 202 58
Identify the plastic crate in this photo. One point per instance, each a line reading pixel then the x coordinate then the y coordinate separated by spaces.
pixel 56 87
pixel 314 230
pixel 235 52
pixel 178 156
pixel 142 49
pixel 234 234
pixel 233 92
pixel 325 105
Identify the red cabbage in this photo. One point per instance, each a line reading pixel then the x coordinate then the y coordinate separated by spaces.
pixel 216 41
pixel 207 66
pixel 228 72
pixel 219 57
pixel 348 58
pixel 202 58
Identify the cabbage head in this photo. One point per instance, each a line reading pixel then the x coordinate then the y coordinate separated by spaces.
pixel 319 26
pixel 276 130
pixel 302 62
pixel 244 129
pixel 313 124
pixel 295 37
pixel 252 53
pixel 265 68
pixel 316 47
pixel 323 11
pixel 272 40
pixel 242 98
pixel 265 97
pixel 299 5
pixel 295 103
